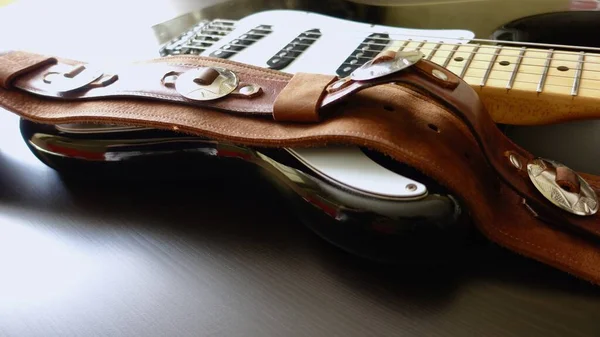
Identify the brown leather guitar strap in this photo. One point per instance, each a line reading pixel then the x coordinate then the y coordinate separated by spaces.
pixel 410 109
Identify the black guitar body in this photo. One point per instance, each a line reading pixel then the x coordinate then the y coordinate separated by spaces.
pixel 564 28
pixel 434 228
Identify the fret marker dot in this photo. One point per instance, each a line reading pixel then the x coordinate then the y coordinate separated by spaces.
pixel 282 54
pixel 459 59
pixel 504 63
pixel 562 68
pixel 353 61
pixel 275 60
pixel 347 69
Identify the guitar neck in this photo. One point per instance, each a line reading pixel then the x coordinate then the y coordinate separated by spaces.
pixel 522 85
pixel 518 85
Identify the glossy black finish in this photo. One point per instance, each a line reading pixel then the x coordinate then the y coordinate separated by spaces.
pixel 574 28
pixel 414 231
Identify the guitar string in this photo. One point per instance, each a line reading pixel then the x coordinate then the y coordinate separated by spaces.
pixel 442 44
pixel 519 81
pixel 457 44
pixel 278 55
pixel 471 66
pixel 584 62
pixel 459 52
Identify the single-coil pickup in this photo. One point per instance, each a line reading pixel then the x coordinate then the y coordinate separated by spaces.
pixel 365 51
pixel 245 40
pixel 294 49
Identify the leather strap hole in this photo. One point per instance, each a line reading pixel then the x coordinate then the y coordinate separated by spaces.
pixel 433 127
pixel 388 108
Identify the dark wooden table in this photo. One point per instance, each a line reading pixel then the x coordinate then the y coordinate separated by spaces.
pixel 214 257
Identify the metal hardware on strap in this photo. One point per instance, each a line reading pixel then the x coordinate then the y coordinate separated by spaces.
pixel 206 83
pixel 73 79
pixel 543 174
pixel 386 63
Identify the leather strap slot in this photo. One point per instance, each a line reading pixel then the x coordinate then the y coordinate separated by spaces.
pixel 301 98
pixel 16 63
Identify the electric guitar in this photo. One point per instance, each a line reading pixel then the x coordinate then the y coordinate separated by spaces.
pixel 351 196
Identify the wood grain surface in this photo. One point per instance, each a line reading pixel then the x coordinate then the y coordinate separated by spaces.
pixel 218 255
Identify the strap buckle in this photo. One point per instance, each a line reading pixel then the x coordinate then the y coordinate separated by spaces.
pixel 563 187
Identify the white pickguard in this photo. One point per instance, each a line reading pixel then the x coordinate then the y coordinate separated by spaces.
pixel 347 166
pixel 338 40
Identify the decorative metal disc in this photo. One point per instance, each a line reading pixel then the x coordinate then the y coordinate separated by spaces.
pixel 542 173
pixel 60 83
pixel 371 69
pixel 223 85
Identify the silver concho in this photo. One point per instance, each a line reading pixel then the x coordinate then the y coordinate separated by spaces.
pixel 371 69
pixel 542 173
pixel 79 77
pixel 223 85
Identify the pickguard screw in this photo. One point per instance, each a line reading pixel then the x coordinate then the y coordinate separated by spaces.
pixel 411 187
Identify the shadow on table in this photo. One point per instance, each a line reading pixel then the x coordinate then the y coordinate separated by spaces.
pixel 221 206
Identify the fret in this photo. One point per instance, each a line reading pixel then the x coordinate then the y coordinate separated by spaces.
pixel 460 58
pixel 486 75
pixel 396 45
pixel 404 45
pixel 589 85
pixel 545 71
pixel 513 74
pixel 530 70
pixel 435 49
pixel 414 45
pixel 503 67
pixel 561 74
pixel 449 58
pixel 420 45
pixel 469 60
pixel 577 78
